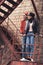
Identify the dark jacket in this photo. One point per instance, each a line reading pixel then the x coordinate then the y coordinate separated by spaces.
pixel 35 27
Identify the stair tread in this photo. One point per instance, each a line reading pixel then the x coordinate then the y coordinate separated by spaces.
pixel 1 10
pixel 12 2
pixel 8 7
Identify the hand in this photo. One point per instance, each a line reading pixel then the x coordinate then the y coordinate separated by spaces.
pixel 2 46
pixel 40 35
pixel 36 35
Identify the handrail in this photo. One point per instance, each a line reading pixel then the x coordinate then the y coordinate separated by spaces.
pixel 40 35
pixel 18 52
pixel 7 43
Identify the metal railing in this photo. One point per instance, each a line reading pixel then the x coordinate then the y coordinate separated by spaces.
pixel 18 51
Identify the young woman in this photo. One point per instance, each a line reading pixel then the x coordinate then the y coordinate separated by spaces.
pixel 31 27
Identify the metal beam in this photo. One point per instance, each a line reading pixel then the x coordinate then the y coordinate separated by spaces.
pixel 35 9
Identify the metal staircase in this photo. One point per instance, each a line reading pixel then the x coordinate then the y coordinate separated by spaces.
pixel 8 44
pixel 8 8
pixel 6 12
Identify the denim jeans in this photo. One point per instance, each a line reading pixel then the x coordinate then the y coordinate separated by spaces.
pixel 30 43
pixel 26 44
pixel 23 46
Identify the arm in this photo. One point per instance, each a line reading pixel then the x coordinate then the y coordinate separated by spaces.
pixel 37 26
pixel 22 27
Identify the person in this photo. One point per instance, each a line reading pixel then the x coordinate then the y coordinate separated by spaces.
pixel 30 27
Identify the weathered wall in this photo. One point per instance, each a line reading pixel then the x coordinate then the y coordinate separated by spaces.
pixel 17 15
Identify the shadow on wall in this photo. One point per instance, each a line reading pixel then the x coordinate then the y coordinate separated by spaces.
pixel 12 39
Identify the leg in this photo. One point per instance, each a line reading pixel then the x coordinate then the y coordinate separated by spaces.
pixel 31 46
pixel 28 46
pixel 23 46
pixel 23 49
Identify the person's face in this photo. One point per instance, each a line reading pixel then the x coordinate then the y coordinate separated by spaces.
pixel 29 17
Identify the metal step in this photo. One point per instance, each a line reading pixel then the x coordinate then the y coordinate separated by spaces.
pixel 4 12
pixel 10 9
pixel 6 6
pixel 12 2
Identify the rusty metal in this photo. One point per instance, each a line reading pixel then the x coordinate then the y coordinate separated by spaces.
pixel 1 1
pixel 10 9
pixel 23 63
pixel 33 3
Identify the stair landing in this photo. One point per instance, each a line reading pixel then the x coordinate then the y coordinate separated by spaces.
pixel 24 63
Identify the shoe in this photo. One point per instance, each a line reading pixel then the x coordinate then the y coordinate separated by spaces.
pixel 28 58
pixel 32 60
pixel 23 59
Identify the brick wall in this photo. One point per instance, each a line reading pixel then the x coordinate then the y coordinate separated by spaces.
pixel 17 15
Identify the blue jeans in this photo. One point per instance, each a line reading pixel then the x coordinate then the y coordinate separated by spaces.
pixel 26 44
pixel 23 46
pixel 30 43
